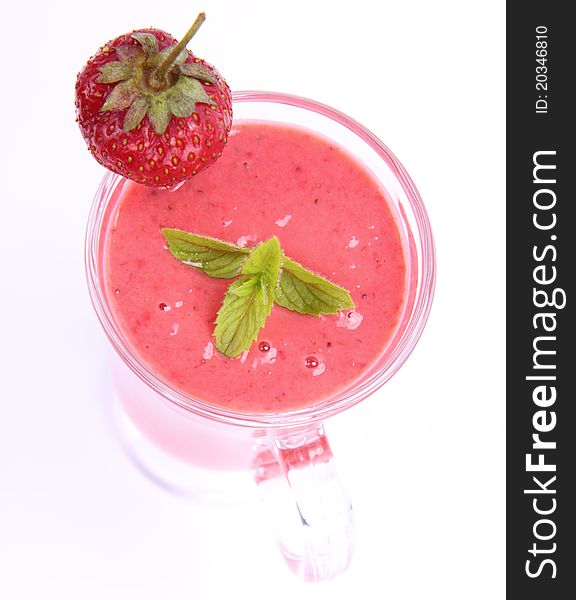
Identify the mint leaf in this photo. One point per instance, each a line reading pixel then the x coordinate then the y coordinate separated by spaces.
pixel 249 300
pixel 241 316
pixel 265 259
pixel 216 258
pixel 305 292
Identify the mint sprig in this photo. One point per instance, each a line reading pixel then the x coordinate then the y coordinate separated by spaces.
pixel 267 276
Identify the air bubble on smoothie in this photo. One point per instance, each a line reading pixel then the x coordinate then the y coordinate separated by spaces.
pixel 352 266
pixel 353 242
pixel 227 223
pixel 264 346
pixel 208 351
pixel 349 319
pixel 283 221
pixel 268 359
pixel 178 304
pixel 311 362
pixel 371 226
pixel 174 329
pixel 164 307
pixel 243 240
pixel 116 291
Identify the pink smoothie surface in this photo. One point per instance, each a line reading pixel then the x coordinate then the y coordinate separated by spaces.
pixel 328 212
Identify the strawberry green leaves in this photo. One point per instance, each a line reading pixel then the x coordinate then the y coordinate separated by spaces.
pixel 198 71
pixel 121 96
pixel 148 42
pixel 267 276
pixel 305 292
pixel 115 71
pixel 144 87
pixel 136 113
pixel 249 300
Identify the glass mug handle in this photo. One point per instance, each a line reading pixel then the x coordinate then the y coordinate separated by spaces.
pixel 310 509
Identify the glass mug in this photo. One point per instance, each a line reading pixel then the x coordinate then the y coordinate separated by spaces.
pixel 287 454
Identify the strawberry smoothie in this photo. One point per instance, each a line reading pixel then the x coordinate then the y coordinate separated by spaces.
pixel 329 213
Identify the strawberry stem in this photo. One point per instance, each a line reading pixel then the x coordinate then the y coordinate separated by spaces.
pixel 162 69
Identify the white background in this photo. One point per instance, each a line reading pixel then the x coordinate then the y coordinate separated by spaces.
pixel 423 458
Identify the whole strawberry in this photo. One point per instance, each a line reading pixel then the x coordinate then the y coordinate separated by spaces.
pixel 150 110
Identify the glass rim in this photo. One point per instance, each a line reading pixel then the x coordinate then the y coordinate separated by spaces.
pixel 408 335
